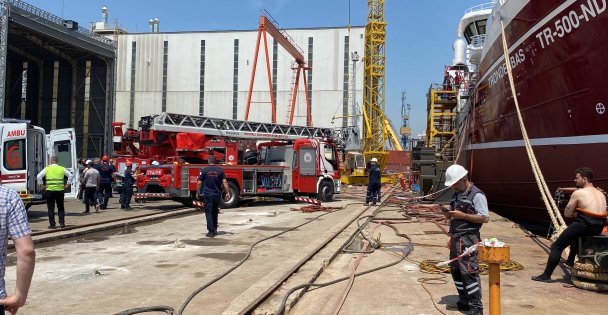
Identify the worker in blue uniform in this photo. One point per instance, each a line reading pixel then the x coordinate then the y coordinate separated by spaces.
pixel 467 212
pixel 127 187
pixel 374 183
pixel 211 180
pixel 107 175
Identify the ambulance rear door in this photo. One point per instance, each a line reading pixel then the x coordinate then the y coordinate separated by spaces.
pixel 13 153
pixel 62 143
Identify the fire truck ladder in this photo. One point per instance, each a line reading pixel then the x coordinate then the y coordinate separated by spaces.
pixel 230 128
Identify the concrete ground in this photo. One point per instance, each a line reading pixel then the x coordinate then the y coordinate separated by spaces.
pixel 163 262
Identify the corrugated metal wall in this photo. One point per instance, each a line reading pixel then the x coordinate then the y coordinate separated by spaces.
pixel 184 74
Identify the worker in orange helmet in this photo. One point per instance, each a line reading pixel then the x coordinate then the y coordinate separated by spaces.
pixel 127 187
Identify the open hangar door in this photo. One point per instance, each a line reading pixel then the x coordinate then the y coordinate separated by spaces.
pixel 57 75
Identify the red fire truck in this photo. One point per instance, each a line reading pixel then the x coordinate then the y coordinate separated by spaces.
pixel 286 161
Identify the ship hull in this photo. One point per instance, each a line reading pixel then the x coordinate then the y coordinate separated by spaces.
pixel 561 81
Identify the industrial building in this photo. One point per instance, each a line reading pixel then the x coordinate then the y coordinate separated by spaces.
pixel 209 73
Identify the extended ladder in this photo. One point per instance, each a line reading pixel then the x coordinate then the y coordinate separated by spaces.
pixel 230 128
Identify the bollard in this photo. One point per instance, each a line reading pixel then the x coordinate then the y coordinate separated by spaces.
pixel 494 256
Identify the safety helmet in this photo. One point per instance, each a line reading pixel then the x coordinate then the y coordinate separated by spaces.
pixel 374 160
pixel 105 158
pixel 88 162
pixel 454 173
pixel 155 163
pixel 128 164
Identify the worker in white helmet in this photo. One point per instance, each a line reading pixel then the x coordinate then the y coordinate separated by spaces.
pixel 468 211
pixel 374 183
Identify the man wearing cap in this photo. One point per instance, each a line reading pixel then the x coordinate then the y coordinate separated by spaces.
pixel 127 187
pixel 91 185
pixel 106 173
pixel 374 183
pixel 55 187
pixel 468 211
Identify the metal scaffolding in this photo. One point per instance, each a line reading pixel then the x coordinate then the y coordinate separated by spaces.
pixel 442 108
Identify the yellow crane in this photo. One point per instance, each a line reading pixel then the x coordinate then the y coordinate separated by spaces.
pixel 377 128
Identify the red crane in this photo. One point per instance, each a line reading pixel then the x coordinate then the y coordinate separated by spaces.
pixel 300 67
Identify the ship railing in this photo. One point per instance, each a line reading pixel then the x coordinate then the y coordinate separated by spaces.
pixel 477 41
pixel 481 7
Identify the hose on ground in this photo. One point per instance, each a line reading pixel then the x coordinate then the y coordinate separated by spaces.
pixel 281 309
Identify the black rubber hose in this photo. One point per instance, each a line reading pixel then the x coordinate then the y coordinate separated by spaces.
pixel 212 281
pixel 159 308
pixel 281 309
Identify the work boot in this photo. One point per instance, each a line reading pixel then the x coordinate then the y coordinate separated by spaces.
pixel 62 225
pixel 367 203
pixel 457 307
pixel 542 278
pixel 86 211
pixel 475 311
pixel 52 227
pixel 210 234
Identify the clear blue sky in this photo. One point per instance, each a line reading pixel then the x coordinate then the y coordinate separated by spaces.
pixel 420 33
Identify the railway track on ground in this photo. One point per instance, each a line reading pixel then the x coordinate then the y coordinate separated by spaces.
pixel 105 225
pixel 266 295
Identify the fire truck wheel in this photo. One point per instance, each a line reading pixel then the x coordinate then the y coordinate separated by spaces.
pixel 234 197
pixel 326 191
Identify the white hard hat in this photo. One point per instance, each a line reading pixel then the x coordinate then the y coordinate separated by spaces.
pixel 454 173
pixel 375 160
pixel 88 162
pixel 155 163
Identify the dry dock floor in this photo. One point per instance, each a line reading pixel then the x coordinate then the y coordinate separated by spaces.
pixel 162 262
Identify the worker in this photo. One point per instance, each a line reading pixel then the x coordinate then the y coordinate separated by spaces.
pixel 127 187
pixel 587 206
pixel 210 181
pixel 374 183
pixel 55 187
pixel 468 210
pixel 90 182
pixel 107 176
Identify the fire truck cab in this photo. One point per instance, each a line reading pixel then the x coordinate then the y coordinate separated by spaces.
pixel 25 151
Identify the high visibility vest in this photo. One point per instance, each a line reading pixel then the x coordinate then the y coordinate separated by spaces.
pixel 54 177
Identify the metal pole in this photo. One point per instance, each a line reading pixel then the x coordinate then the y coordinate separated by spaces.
pixel 355 118
pixel 3 49
pixel 494 288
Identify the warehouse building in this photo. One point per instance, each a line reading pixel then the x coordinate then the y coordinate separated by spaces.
pixel 209 74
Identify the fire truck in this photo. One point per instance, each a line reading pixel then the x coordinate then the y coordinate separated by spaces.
pixel 25 150
pixel 259 159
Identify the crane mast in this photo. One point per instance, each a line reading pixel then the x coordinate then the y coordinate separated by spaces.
pixel 374 132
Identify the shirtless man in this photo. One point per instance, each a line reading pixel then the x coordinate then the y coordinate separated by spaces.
pixel 587 206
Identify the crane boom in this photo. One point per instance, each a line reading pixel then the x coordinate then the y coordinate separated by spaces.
pixel 230 128
pixel 283 39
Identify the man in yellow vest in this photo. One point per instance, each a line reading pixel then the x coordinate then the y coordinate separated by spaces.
pixel 55 189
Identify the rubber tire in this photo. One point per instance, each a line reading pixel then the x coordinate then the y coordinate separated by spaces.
pixel 326 191
pixel 234 197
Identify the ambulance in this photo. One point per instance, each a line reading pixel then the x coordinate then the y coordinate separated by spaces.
pixel 25 150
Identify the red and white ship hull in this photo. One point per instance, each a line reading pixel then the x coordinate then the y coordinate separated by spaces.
pixel 559 54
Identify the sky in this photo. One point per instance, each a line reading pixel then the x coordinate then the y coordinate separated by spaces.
pixel 420 33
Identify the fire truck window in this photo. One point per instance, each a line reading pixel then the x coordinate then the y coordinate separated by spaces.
pixel 63 151
pixel 14 155
pixel 329 154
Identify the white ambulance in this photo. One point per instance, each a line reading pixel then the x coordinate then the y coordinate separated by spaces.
pixel 25 150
